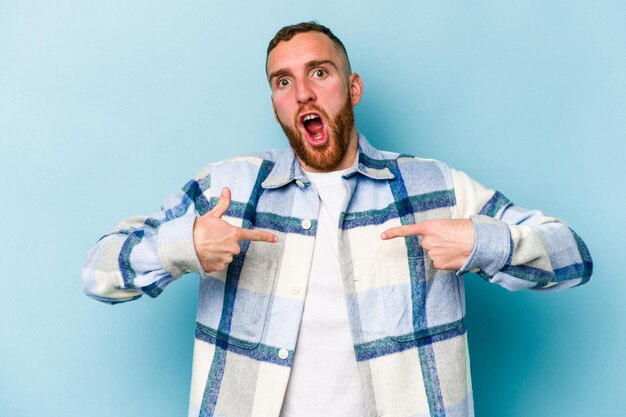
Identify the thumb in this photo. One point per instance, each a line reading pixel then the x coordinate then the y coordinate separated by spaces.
pixel 222 204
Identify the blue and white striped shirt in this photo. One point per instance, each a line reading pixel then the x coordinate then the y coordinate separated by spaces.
pixel 406 317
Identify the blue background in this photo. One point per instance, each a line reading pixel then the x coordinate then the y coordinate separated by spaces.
pixel 106 107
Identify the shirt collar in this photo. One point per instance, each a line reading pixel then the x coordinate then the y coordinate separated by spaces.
pixel 369 162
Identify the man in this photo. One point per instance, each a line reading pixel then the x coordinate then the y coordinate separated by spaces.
pixel 331 273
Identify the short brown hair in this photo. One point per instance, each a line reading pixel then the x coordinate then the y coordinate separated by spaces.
pixel 288 32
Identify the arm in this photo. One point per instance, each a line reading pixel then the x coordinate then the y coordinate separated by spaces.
pixel 505 244
pixel 142 255
pixel 518 248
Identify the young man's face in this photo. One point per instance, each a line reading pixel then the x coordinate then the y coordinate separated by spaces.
pixel 313 96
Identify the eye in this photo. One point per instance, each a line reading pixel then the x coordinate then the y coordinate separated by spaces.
pixel 283 82
pixel 320 73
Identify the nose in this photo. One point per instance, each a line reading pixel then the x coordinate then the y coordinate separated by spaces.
pixel 304 92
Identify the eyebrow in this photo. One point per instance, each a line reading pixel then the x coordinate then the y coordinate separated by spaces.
pixel 308 65
pixel 278 73
pixel 312 64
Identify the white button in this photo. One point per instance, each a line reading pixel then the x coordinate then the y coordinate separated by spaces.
pixel 295 290
pixel 300 184
pixel 306 224
pixel 283 353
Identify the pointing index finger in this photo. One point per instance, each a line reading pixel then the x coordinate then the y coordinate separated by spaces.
pixel 257 236
pixel 401 231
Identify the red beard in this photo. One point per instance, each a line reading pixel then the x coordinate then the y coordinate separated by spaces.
pixel 328 156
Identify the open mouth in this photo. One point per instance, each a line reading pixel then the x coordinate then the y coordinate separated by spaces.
pixel 314 127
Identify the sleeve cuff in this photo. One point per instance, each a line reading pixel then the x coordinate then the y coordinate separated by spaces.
pixel 492 246
pixel 175 246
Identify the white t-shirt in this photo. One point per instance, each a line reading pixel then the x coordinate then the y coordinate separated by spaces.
pixel 325 377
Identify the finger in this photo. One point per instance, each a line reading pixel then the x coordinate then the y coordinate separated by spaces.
pixel 400 231
pixel 257 236
pixel 222 204
pixel 220 266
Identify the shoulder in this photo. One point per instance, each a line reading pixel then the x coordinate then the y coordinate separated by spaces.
pixel 414 168
pixel 240 165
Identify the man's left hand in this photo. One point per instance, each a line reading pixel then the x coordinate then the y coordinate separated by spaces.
pixel 448 242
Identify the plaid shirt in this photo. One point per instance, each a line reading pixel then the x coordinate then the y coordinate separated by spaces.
pixel 406 317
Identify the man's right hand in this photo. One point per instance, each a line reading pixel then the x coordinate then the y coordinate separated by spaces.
pixel 216 241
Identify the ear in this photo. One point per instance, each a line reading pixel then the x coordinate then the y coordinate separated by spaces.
pixel 355 85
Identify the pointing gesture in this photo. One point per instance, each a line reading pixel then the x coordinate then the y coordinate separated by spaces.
pixel 216 241
pixel 448 242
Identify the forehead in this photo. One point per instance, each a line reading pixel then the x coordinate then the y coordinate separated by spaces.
pixel 302 48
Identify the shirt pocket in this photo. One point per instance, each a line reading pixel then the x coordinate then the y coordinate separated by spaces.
pixel 234 304
pixel 418 300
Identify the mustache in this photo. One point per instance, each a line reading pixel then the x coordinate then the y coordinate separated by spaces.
pixel 309 108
